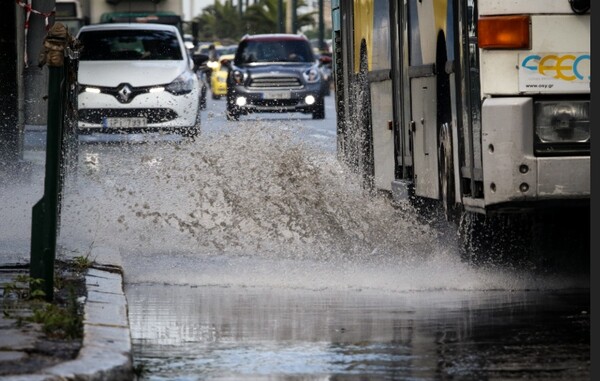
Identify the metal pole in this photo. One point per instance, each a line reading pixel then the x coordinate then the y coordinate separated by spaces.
pixel 321 26
pixel 280 17
pixel 45 212
pixel 294 16
pixel 288 16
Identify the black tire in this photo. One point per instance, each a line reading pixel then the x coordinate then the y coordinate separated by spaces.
pixel 326 88
pixel 446 173
pixel 319 110
pixel 203 98
pixel 232 113
pixel 190 132
pixel 215 96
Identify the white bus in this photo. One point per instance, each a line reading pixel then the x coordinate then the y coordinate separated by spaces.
pixel 483 105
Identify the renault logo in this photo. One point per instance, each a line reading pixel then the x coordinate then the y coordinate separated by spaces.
pixel 124 93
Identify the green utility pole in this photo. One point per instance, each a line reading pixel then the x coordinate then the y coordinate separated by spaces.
pixel 61 103
pixel 44 223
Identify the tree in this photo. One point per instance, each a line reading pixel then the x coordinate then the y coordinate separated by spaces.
pixel 220 21
pixel 263 17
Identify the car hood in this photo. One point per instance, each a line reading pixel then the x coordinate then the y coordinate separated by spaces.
pixel 136 73
pixel 276 69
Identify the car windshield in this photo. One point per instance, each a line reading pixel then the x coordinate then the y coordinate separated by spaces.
pixel 120 45
pixel 273 51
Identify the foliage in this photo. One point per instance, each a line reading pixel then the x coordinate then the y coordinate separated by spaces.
pixel 21 288
pixel 58 321
pixel 82 263
pixel 263 16
pixel 63 320
pixel 223 21
pixel 220 21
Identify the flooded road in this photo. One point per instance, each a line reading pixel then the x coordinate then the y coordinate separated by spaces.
pixel 233 333
pixel 253 253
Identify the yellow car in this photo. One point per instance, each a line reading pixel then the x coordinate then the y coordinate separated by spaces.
pixel 218 78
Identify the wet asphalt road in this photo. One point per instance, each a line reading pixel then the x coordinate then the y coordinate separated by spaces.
pixel 223 333
pixel 223 287
pixel 221 320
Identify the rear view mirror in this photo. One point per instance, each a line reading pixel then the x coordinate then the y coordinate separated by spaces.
pixel 199 60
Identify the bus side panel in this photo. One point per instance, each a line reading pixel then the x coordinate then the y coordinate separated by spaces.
pixel 455 138
pixel 383 138
pixel 380 83
pixel 342 39
pixel 363 29
pixel 427 18
pixel 423 90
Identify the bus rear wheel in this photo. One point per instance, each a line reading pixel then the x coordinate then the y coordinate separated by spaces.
pixel 446 173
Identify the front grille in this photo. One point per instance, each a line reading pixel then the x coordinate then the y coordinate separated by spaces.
pixel 275 82
pixel 274 102
pixel 152 115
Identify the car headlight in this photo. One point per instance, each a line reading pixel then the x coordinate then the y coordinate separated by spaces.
pixel 562 121
pixel 238 77
pixel 183 84
pixel 312 75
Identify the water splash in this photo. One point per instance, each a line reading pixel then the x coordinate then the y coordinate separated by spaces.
pixel 253 205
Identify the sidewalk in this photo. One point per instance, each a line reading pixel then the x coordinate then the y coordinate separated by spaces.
pixel 105 352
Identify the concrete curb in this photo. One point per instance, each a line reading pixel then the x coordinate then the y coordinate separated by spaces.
pixel 105 354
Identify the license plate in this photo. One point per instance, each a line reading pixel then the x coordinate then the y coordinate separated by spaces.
pixel 124 122
pixel 277 95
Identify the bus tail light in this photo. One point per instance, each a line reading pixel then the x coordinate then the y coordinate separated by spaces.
pixel 504 32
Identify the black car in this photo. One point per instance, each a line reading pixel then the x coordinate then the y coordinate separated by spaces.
pixel 275 73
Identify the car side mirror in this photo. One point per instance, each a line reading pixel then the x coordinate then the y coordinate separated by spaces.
pixel 199 60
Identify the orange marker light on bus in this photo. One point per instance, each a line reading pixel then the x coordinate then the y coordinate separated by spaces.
pixel 504 32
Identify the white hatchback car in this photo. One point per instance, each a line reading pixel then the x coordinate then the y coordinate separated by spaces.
pixel 136 78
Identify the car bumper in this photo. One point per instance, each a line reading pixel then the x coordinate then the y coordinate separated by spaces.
pixel 269 101
pixel 512 171
pixel 162 111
